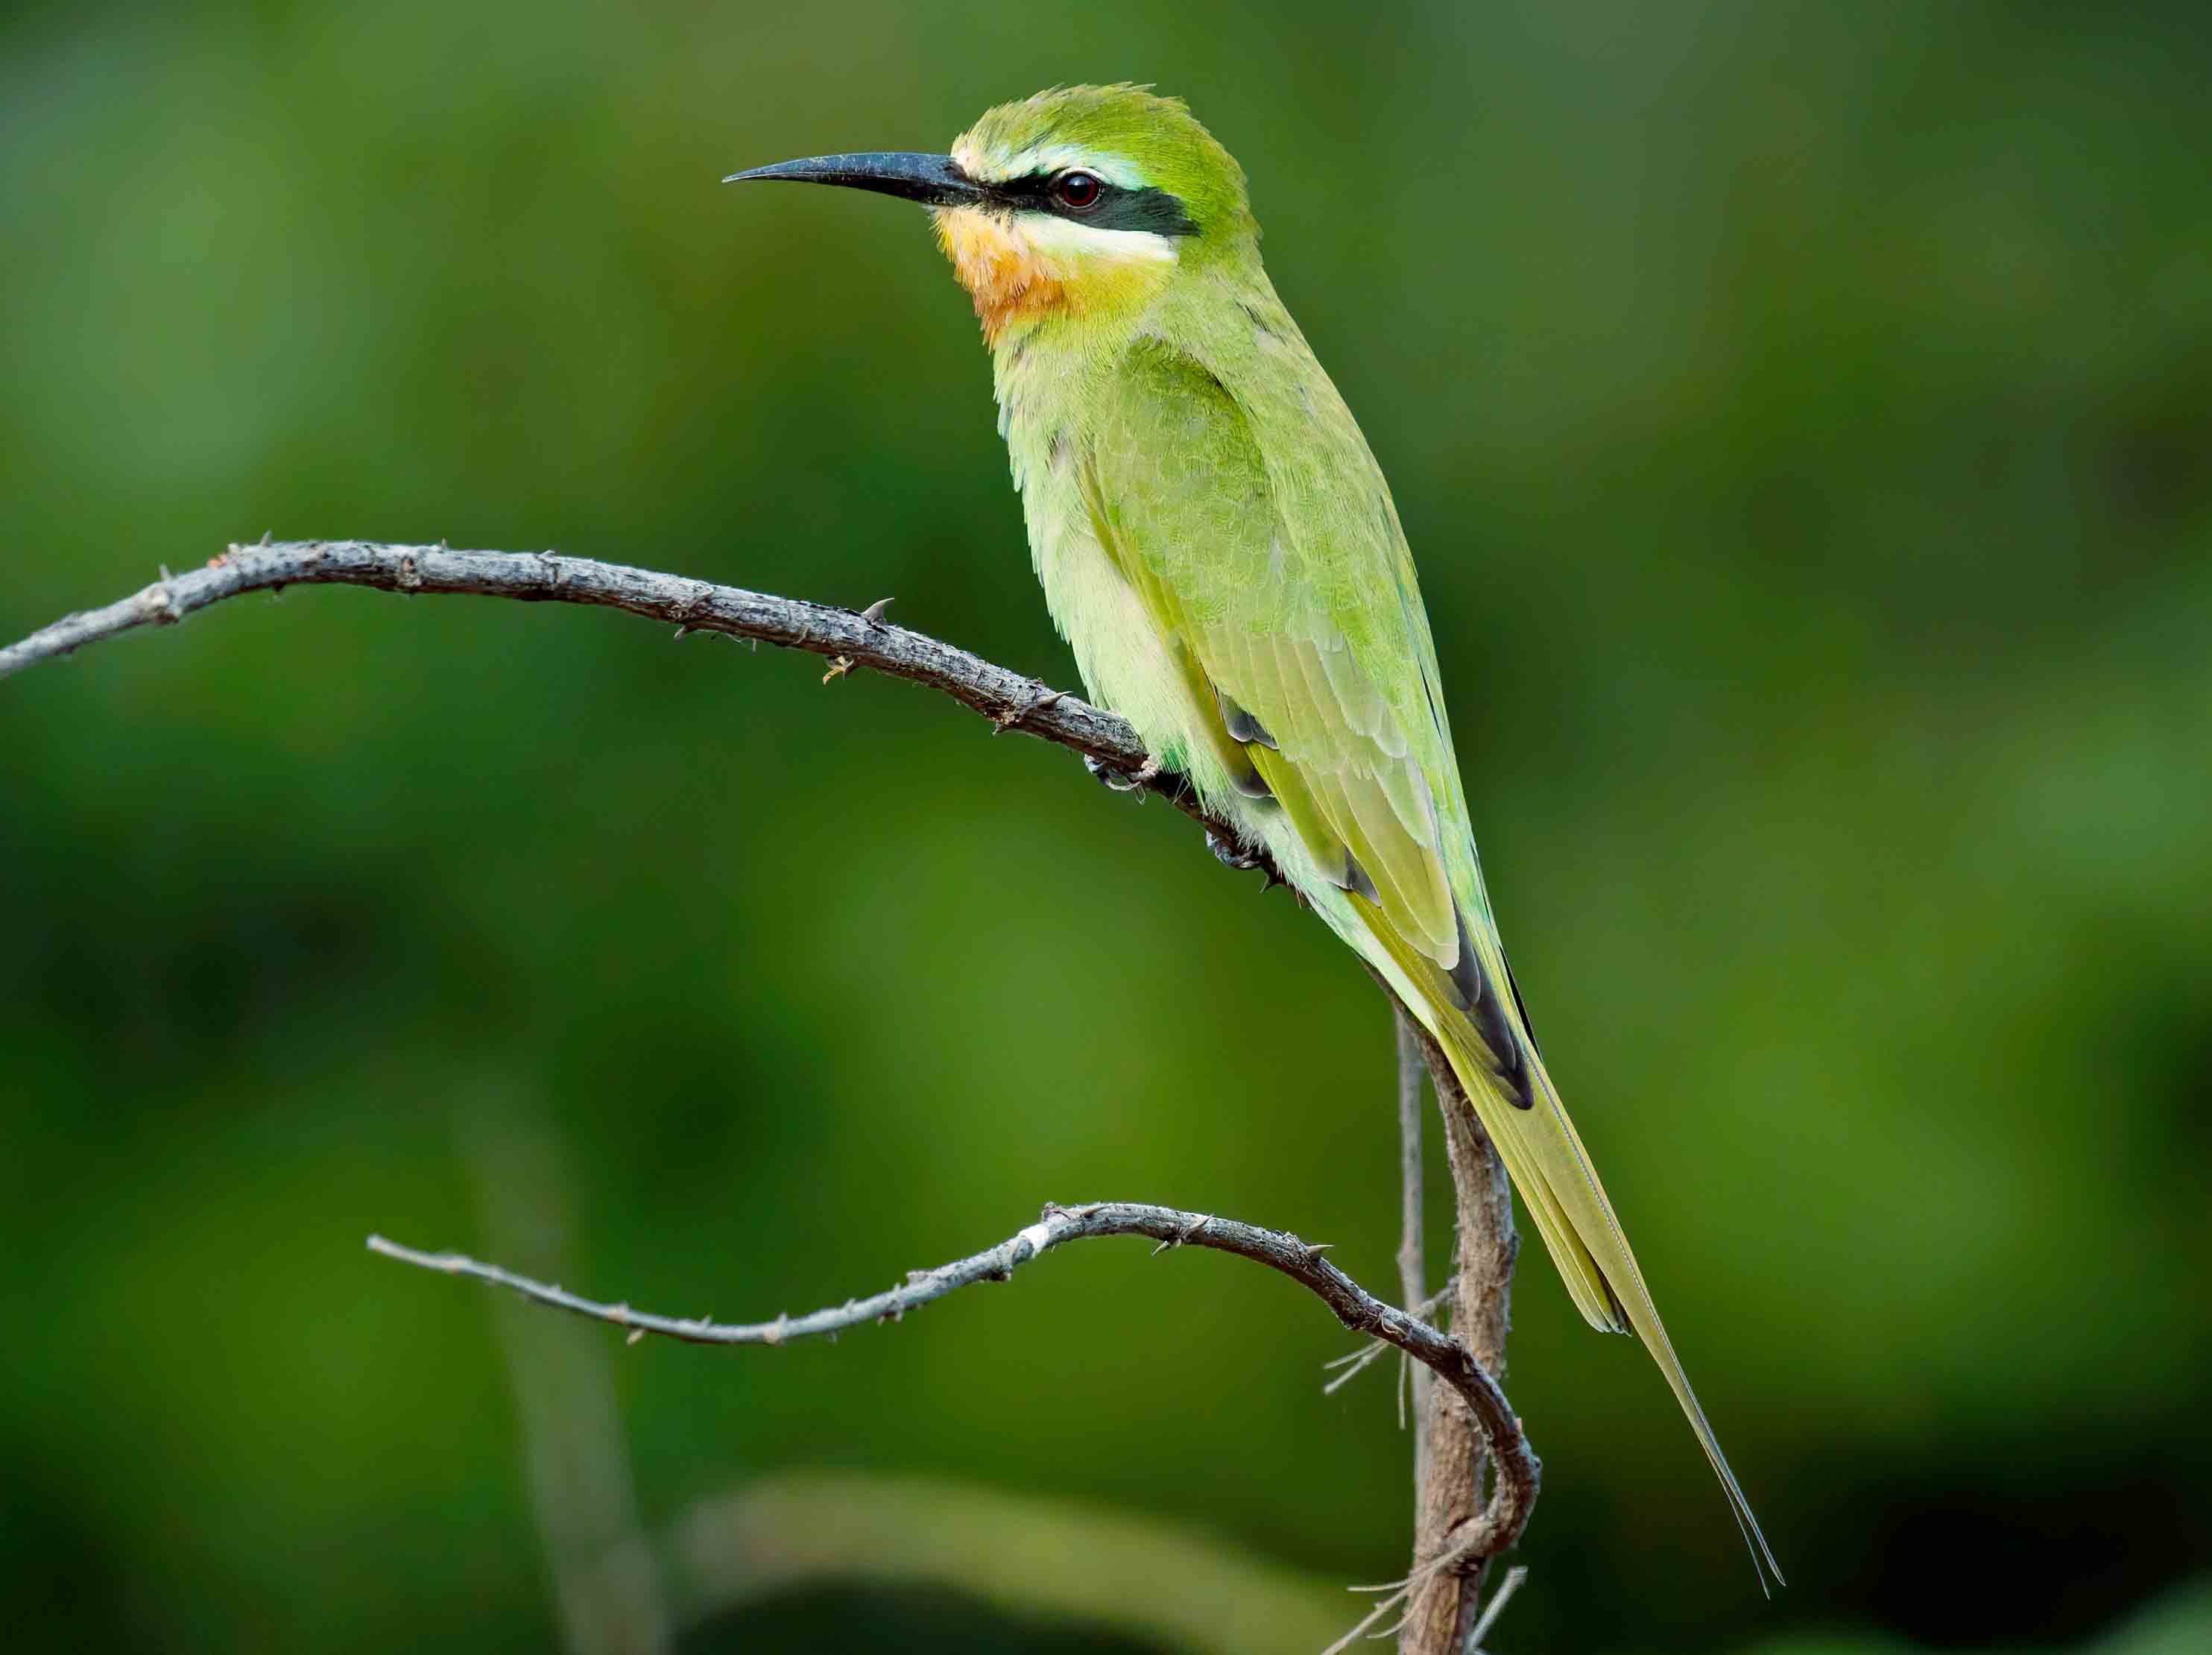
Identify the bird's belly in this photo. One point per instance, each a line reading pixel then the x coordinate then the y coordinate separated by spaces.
pixel 1127 665
pixel 1130 667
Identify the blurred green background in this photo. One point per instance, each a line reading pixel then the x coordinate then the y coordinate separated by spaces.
pixel 1800 412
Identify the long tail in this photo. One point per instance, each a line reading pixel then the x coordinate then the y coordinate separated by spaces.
pixel 1559 1186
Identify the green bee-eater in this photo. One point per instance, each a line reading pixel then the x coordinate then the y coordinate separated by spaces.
pixel 1217 545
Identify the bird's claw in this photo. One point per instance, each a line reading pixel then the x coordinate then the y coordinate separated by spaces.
pixel 1230 854
pixel 1121 781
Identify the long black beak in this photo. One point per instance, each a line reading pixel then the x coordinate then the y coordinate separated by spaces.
pixel 934 180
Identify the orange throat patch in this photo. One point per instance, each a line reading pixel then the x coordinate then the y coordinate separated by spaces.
pixel 1004 272
pixel 1019 272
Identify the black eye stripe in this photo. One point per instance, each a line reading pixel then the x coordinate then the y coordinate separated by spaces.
pixel 1114 207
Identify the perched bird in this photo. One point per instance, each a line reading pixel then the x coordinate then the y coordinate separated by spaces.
pixel 1217 545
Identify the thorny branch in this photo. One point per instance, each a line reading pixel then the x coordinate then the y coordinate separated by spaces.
pixel 1279 1251
pixel 1304 1263
pixel 1455 1535
pixel 850 639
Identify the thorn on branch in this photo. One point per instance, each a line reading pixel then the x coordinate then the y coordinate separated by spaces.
pixel 683 615
pixel 873 614
pixel 1188 1232
pixel 1004 721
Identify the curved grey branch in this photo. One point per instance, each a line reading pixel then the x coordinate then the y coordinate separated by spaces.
pixel 1519 1471
pixel 849 639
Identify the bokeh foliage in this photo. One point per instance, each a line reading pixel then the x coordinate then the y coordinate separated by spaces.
pixel 1800 412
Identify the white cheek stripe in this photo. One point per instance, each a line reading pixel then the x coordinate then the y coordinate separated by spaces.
pixel 1066 238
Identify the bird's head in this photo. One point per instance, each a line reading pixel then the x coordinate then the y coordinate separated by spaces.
pixel 1081 203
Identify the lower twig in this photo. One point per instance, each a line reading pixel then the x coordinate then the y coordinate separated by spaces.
pixel 1519 1470
pixel 1491 1610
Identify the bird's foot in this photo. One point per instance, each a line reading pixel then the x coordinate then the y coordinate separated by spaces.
pixel 1121 781
pixel 1230 854
pixel 1245 858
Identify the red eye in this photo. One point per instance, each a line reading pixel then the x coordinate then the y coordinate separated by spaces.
pixel 1078 191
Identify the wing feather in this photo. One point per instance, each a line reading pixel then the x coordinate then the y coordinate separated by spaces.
pixel 1266 610
pixel 1238 498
